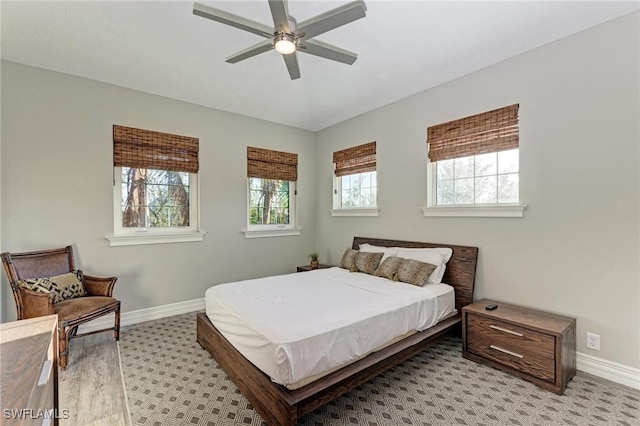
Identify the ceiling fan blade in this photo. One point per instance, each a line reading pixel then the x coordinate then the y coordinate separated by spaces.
pixel 292 65
pixel 256 49
pixel 279 14
pixel 227 18
pixel 332 19
pixel 328 51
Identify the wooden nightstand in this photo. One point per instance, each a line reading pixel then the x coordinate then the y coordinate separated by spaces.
pixel 538 346
pixel 307 268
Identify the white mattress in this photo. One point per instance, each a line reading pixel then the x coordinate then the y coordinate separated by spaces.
pixel 299 325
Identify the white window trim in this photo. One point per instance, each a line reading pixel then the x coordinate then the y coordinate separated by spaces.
pixel 338 211
pixel 131 240
pixel 471 210
pixel 140 236
pixel 355 212
pixel 488 210
pixel 273 232
pixel 280 230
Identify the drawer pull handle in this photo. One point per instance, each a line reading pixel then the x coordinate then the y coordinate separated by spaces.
pixel 495 327
pixel 497 348
pixel 45 372
pixel 46 421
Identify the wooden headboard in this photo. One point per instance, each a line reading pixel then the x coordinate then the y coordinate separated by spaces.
pixel 461 268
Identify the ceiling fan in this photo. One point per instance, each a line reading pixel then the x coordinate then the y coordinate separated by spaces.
pixel 288 37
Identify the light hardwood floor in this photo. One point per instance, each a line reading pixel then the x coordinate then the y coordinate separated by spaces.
pixel 91 387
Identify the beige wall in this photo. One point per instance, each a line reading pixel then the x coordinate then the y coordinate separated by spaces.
pixel 576 251
pixel 57 186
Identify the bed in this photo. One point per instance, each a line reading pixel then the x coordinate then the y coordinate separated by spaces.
pixel 279 405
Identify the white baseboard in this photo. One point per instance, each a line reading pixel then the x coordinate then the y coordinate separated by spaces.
pixel 142 315
pixel 609 370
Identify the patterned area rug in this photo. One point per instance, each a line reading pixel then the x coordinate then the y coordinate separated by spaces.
pixel 171 380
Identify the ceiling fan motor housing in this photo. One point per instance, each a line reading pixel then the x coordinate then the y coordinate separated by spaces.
pixel 285 43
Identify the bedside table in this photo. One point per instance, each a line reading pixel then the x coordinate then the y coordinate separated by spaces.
pixel 538 346
pixel 307 268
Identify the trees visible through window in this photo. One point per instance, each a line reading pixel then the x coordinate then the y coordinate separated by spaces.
pixel 358 190
pixel 478 179
pixel 269 201
pixel 154 198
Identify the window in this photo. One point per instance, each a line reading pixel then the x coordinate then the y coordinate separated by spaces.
pixel 155 187
pixel 269 201
pixel 271 177
pixel 355 191
pixel 478 179
pixel 154 198
pixel 474 166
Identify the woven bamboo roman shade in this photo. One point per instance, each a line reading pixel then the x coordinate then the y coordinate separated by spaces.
pixel 490 131
pixel 268 164
pixel 358 159
pixel 146 149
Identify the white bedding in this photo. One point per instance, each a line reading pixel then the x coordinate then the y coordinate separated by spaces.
pixel 299 325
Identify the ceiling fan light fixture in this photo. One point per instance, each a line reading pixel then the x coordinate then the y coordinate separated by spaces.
pixel 284 43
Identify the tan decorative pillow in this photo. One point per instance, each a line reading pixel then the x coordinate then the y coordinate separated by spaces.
pixel 368 262
pixel 414 272
pixel 63 287
pixel 349 260
pixel 388 268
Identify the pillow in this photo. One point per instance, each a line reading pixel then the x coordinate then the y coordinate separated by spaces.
pixel 367 262
pixel 414 272
pixel 388 267
pixel 349 260
pixel 63 287
pixel 436 256
pixel 386 251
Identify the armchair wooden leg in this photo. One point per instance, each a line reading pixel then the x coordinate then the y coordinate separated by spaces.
pixel 63 347
pixel 116 330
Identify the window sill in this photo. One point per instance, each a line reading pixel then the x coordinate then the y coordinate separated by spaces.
pixel 511 210
pixel 355 212
pixel 133 240
pixel 268 233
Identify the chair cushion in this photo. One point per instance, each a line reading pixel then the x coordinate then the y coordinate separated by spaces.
pixel 81 306
pixel 63 287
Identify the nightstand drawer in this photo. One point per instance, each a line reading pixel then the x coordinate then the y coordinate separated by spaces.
pixel 516 347
pixel 510 336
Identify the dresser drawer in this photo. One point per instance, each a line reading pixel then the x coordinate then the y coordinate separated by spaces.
pixel 516 347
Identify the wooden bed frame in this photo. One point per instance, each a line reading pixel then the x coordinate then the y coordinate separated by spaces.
pixel 282 407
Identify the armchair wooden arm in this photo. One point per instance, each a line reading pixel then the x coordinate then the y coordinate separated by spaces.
pixel 34 304
pixel 98 286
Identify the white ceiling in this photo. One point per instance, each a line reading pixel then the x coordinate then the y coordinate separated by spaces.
pixel 404 47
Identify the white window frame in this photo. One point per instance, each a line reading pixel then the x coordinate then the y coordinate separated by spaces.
pixel 125 236
pixel 340 211
pixel 274 230
pixel 432 209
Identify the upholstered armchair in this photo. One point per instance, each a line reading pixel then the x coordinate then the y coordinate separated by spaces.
pixel 46 282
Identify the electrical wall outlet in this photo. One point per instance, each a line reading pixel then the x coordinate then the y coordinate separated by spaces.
pixel 593 341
